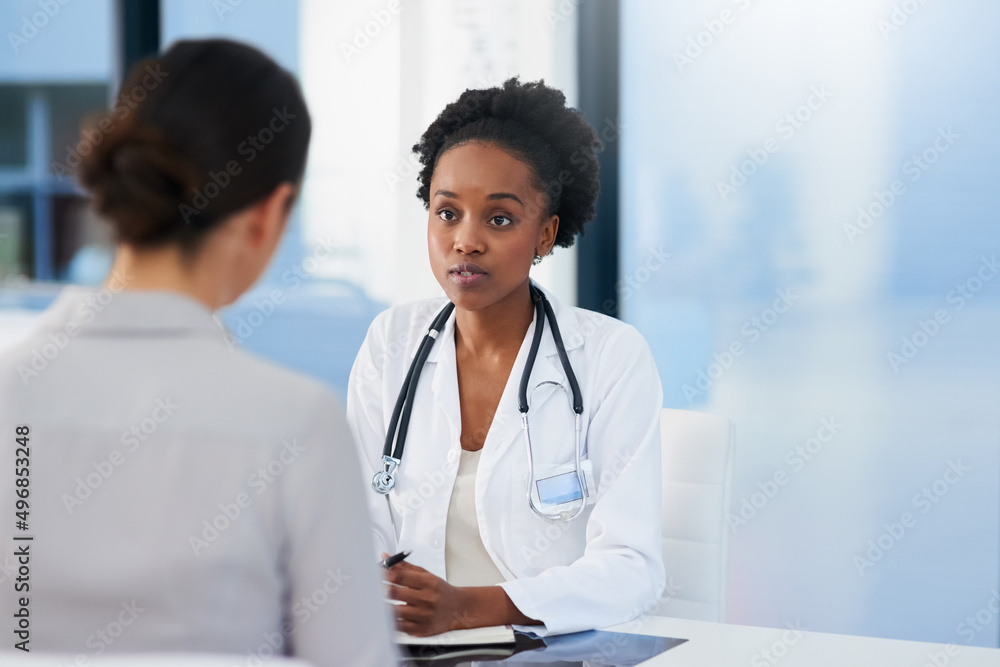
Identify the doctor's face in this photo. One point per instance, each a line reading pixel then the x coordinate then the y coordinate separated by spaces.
pixel 486 221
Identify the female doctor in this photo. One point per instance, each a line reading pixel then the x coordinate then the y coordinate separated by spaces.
pixel 562 534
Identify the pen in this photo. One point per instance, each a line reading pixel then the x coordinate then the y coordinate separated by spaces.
pixel 393 560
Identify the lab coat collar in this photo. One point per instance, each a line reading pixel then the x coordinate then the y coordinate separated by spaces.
pixel 547 368
pixel 102 311
pixel 569 327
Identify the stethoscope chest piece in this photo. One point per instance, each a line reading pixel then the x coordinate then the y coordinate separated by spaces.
pixel 383 482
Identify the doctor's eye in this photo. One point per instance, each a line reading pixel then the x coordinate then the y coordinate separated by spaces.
pixel 501 221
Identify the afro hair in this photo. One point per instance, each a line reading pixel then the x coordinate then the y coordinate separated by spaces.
pixel 532 122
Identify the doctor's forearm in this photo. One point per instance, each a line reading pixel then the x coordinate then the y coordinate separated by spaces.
pixel 489 605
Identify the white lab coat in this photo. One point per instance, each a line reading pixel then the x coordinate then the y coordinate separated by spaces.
pixel 185 495
pixel 606 566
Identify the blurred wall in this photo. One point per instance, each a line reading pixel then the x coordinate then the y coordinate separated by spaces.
pixel 377 73
pixel 809 234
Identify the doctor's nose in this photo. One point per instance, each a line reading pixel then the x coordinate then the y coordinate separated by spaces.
pixel 469 239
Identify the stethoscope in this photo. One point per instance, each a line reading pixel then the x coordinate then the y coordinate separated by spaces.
pixel 399 422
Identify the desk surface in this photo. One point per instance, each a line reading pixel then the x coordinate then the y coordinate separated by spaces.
pixel 709 645
pixel 721 645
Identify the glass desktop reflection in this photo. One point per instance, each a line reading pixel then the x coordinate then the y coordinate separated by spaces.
pixel 594 648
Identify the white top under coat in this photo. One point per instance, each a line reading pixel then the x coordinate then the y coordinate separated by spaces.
pixel 185 496
pixel 467 563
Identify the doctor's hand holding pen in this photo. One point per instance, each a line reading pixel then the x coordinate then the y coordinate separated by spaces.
pixel 431 605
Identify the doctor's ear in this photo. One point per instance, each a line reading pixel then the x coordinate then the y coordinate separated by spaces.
pixel 547 236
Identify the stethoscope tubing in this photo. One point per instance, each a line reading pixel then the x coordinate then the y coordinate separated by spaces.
pixel 404 403
pixel 399 420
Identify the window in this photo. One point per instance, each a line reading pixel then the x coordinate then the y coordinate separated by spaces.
pixel 809 222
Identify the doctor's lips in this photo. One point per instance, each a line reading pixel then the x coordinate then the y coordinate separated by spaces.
pixel 466 274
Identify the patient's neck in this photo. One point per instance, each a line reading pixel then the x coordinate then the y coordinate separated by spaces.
pixel 167 268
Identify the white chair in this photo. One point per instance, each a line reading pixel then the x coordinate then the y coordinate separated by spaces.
pixel 698 451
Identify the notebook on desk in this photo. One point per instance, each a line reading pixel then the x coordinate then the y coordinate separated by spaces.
pixel 595 647
pixel 491 635
pixel 462 646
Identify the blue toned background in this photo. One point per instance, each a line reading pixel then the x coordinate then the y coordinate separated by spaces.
pixel 808 228
pixel 753 134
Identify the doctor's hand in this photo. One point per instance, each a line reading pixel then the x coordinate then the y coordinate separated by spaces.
pixel 432 604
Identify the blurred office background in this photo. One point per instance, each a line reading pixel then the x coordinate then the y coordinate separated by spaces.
pixel 799 213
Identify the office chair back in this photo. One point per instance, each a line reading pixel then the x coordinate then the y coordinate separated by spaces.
pixel 698 451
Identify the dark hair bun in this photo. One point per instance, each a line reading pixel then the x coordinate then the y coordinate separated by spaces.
pixel 139 181
pixel 200 132
pixel 532 121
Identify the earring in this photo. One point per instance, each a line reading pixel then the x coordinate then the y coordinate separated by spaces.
pixel 537 260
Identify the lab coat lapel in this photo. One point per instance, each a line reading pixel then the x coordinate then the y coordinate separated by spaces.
pixel 444 383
